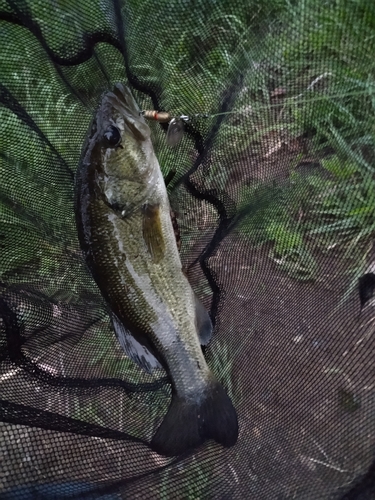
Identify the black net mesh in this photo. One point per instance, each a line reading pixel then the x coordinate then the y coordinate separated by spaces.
pixel 274 193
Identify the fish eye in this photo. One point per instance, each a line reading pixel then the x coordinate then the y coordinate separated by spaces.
pixel 112 136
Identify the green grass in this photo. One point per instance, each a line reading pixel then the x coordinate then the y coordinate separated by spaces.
pixel 320 56
pixel 313 212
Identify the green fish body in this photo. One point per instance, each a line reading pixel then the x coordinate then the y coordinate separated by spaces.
pixel 127 236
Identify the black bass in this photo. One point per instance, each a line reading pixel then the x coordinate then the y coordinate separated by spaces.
pixel 126 233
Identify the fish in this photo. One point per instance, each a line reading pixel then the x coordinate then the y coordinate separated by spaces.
pixel 128 241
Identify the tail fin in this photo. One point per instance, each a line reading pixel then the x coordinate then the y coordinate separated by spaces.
pixel 188 424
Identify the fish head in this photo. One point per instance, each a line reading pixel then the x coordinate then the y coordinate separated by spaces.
pixel 120 110
pixel 119 151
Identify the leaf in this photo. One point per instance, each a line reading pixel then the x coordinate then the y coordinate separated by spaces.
pixel 284 237
pixel 339 168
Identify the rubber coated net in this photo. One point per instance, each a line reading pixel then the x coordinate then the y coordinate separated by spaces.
pixel 273 189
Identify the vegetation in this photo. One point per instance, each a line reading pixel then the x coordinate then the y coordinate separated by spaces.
pixel 301 71
pixel 297 71
pixel 299 82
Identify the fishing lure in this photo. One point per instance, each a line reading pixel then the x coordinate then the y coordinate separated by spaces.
pixel 176 124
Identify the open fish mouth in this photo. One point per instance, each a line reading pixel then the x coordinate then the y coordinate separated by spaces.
pixel 121 104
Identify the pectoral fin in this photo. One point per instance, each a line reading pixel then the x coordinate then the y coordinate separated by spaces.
pixel 203 322
pixel 136 351
pixel 152 232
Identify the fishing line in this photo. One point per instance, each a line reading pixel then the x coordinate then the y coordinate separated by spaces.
pixel 176 123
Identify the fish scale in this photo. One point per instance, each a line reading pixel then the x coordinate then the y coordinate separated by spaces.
pixel 126 233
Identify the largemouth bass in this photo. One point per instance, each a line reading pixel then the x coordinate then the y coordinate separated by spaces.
pixel 127 236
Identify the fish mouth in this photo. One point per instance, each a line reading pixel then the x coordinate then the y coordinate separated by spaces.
pixel 123 103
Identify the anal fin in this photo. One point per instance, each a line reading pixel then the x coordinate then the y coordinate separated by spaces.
pixel 132 348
